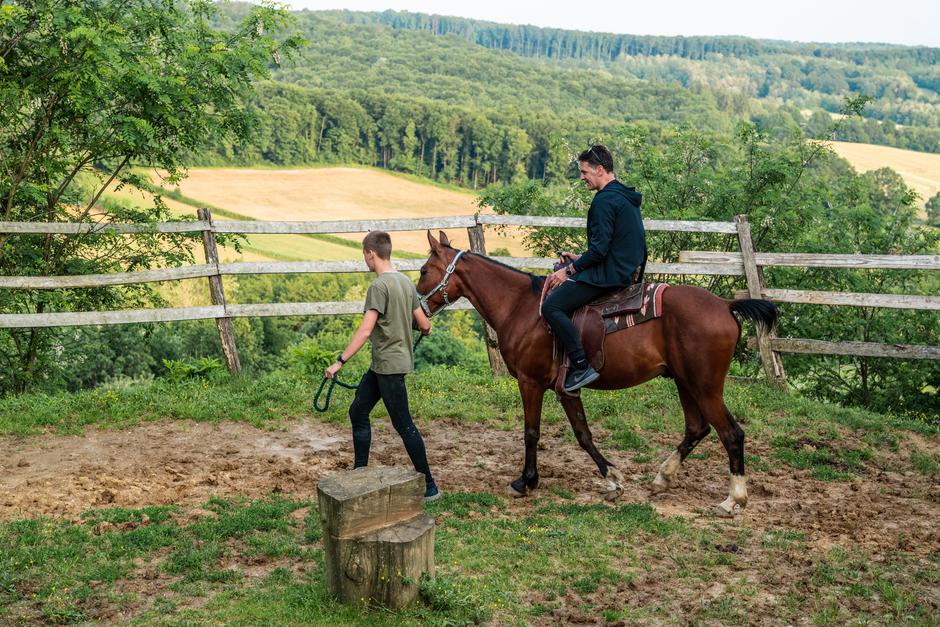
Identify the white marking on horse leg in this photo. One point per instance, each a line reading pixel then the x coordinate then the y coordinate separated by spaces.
pixel 668 470
pixel 737 497
pixel 614 484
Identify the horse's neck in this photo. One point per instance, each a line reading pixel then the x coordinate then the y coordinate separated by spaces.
pixel 501 295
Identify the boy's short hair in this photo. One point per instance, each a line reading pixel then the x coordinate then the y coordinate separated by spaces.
pixel 598 155
pixel 378 242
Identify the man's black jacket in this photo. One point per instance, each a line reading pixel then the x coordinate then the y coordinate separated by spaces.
pixel 616 238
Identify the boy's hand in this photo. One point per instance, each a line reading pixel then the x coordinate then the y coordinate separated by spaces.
pixel 332 370
pixel 426 331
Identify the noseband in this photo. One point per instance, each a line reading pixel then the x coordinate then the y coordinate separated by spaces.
pixel 441 287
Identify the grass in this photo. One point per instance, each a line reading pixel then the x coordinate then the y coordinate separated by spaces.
pixel 550 558
pixel 63 572
pixel 825 461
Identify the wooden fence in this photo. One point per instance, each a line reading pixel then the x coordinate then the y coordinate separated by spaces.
pixel 744 262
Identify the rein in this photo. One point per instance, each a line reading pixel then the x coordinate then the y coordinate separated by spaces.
pixel 441 287
pixel 335 381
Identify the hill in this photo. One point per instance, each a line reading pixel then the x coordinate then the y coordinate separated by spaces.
pixel 467 103
pixel 904 80
pixel 920 171
pixel 340 193
pixel 343 193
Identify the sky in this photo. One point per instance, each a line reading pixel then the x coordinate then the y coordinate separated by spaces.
pixel 908 22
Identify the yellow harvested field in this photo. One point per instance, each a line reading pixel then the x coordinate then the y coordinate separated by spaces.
pixel 337 194
pixel 920 170
pixel 256 247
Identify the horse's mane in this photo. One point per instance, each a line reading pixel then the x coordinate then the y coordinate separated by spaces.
pixel 536 281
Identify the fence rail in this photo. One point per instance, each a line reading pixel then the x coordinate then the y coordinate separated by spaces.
pixel 745 262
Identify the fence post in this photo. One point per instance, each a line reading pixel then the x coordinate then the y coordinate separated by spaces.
pixel 217 294
pixel 773 364
pixel 497 365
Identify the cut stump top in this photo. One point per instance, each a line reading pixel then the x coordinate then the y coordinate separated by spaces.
pixel 369 498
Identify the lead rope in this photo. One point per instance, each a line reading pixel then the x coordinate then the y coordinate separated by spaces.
pixel 335 381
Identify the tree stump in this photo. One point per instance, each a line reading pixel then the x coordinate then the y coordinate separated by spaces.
pixel 377 538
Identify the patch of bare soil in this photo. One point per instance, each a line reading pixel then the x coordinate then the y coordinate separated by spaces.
pixel 185 463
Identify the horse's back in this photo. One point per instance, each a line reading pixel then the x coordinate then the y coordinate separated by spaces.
pixel 694 337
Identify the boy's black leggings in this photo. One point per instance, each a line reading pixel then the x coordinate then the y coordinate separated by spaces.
pixel 391 389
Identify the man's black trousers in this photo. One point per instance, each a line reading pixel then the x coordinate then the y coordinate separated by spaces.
pixel 557 310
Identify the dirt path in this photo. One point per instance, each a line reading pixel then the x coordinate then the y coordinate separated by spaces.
pixel 185 463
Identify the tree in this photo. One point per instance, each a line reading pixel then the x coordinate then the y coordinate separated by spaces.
pixel 89 89
pixel 933 210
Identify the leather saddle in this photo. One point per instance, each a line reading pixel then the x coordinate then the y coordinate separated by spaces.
pixel 612 312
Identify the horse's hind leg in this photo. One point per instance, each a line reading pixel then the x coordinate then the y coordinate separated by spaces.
pixel 696 428
pixel 716 412
pixel 574 409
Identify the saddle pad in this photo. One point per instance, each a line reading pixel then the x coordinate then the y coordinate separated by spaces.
pixel 651 307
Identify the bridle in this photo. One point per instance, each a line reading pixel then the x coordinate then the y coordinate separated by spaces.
pixel 441 287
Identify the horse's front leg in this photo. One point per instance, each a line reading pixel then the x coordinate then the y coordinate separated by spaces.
pixel 574 409
pixel 532 395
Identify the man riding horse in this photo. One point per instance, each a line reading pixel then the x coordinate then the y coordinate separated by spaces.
pixel 616 248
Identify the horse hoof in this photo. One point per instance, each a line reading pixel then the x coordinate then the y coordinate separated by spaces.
pixel 615 483
pixel 515 493
pixel 724 510
pixel 660 485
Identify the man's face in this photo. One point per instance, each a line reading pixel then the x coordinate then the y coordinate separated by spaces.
pixel 591 174
pixel 369 256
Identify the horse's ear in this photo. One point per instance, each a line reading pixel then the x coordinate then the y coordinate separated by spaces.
pixel 444 240
pixel 432 241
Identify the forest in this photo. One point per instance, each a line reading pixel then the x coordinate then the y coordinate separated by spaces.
pixel 497 112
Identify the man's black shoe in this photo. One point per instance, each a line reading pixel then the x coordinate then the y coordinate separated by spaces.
pixel 577 379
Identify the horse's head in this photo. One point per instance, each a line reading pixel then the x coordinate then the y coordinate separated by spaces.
pixel 438 286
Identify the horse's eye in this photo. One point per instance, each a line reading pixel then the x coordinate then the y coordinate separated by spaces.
pixel 423 271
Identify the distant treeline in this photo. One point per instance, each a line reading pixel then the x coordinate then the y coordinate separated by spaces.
pixel 904 80
pixel 414 135
pixel 447 108
pixel 557 43
pixel 462 145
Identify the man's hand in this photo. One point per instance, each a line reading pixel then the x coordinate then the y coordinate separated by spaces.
pixel 332 370
pixel 558 277
pixel 566 258
pixel 426 331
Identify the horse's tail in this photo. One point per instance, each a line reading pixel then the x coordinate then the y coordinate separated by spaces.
pixel 763 312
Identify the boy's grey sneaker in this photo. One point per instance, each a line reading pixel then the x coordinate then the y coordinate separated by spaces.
pixel 431 494
pixel 577 379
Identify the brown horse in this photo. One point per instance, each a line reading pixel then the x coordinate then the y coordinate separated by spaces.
pixel 692 343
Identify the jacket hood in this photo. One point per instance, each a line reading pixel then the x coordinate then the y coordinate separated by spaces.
pixel 630 193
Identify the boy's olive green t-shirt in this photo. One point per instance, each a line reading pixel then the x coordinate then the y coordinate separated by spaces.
pixel 393 295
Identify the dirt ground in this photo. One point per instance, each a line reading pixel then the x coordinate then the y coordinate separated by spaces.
pixel 185 463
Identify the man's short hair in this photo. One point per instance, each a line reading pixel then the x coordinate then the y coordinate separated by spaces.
pixel 598 155
pixel 378 242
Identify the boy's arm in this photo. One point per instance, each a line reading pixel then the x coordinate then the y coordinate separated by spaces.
pixel 359 338
pixel 424 325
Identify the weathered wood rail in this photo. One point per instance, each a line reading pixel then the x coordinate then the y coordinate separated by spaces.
pixel 745 262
